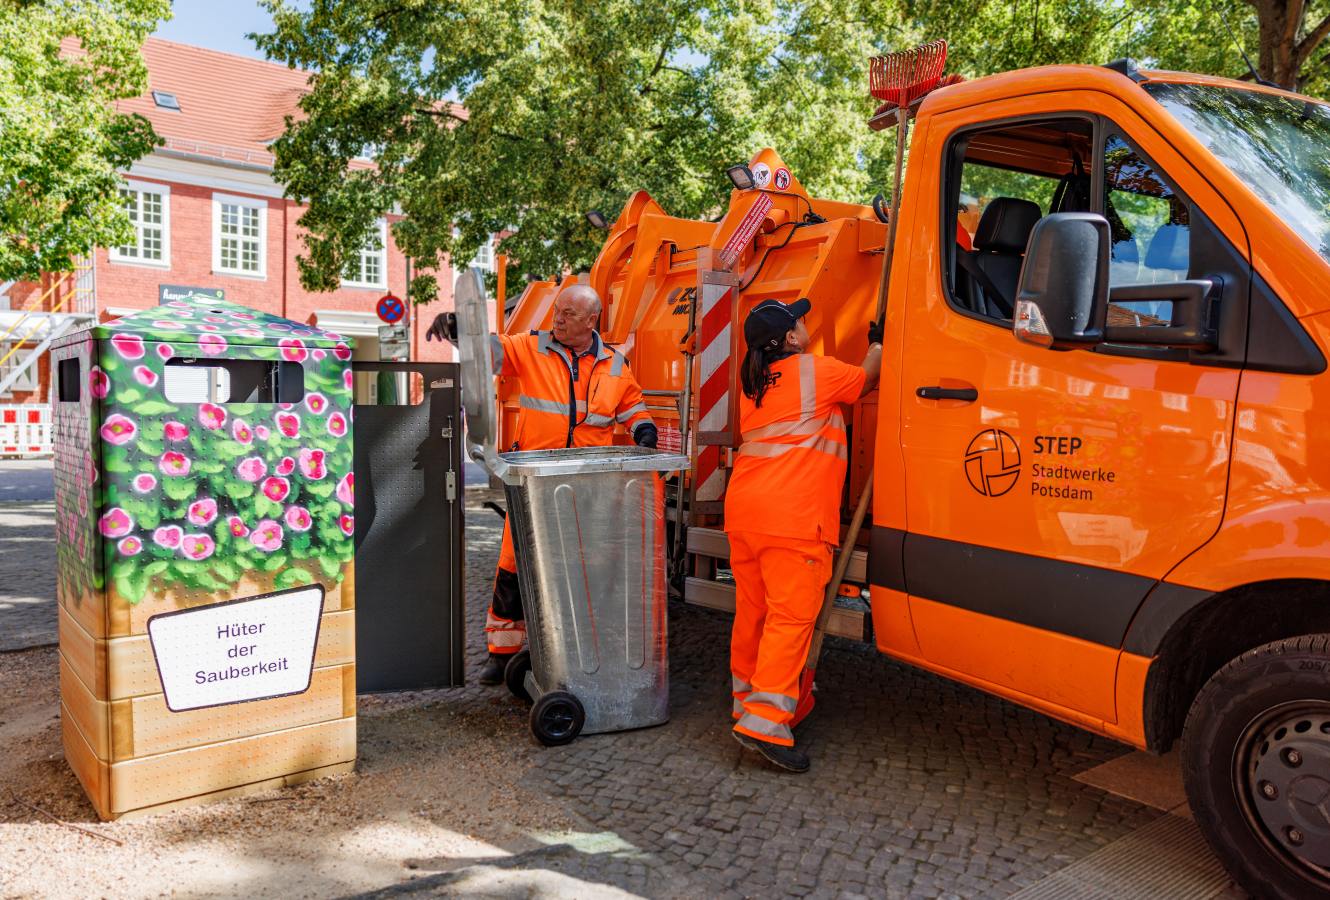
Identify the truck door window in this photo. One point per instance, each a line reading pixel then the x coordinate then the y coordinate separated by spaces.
pixel 1001 181
pixel 1150 231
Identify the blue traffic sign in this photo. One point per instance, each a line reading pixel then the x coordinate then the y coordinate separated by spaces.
pixel 390 309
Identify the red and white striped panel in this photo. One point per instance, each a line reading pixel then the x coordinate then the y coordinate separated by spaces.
pixel 25 429
pixel 713 396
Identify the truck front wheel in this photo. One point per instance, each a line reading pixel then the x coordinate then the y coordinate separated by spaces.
pixel 1256 761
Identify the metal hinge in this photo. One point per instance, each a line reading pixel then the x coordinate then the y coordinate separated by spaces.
pixel 446 432
pixel 452 485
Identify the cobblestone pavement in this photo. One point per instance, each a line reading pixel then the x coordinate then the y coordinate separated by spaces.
pixel 920 787
pixel 27 575
pixel 26 480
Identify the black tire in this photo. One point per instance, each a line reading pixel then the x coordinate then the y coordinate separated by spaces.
pixel 1256 762
pixel 514 674
pixel 557 718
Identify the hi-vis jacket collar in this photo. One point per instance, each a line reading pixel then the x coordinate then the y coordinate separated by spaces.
pixel 548 343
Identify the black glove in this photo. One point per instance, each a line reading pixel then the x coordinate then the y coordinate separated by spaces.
pixel 645 435
pixel 443 329
pixel 876 332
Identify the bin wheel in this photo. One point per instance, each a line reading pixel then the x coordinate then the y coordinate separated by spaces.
pixel 557 718
pixel 514 674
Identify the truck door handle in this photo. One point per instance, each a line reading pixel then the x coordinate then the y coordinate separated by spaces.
pixel 934 392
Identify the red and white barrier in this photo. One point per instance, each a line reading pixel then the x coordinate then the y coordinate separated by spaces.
pixel 25 429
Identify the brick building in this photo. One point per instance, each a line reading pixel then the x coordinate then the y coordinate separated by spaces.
pixel 208 213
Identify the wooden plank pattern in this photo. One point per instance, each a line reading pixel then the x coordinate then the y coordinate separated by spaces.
pixel 181 774
pixel 244 790
pixel 133 670
pixel 155 729
pixel 91 715
pixel 88 611
pixel 85 653
pixel 91 772
pixel 130 619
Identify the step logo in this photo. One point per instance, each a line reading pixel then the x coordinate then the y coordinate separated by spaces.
pixel 993 462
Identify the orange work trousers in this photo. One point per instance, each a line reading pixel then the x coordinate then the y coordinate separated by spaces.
pixel 779 584
pixel 505 625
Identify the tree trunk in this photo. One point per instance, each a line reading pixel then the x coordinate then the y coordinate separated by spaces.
pixel 1284 49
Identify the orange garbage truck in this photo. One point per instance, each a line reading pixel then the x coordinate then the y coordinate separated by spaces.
pixel 1101 488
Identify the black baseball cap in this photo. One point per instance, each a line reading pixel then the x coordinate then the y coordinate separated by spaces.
pixel 771 320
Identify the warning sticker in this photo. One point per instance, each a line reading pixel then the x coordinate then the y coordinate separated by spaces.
pixel 762 175
pixel 781 180
pixel 729 254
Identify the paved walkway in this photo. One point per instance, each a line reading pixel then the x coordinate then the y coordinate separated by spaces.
pixel 920 787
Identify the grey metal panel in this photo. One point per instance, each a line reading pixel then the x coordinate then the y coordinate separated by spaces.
pixel 408 461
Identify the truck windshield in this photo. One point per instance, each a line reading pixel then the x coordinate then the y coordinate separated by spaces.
pixel 1279 146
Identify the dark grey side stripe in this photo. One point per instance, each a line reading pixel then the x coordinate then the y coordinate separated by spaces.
pixel 1163 609
pixel 1081 601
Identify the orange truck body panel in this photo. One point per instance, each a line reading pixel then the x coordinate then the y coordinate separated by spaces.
pixel 1216 480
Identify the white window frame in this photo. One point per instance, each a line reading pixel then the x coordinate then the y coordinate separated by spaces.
pixel 381 253
pixel 25 382
pixel 485 256
pixel 140 188
pixel 252 203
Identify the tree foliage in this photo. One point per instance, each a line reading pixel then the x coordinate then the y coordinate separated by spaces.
pixel 483 116
pixel 61 140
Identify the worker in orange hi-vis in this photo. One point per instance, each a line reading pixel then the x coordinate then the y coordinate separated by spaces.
pixel 573 390
pixel 782 514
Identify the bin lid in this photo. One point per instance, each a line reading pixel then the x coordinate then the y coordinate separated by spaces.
pixel 590 460
pixel 476 353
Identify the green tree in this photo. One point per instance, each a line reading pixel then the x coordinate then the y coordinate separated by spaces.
pixel 63 64
pixel 494 116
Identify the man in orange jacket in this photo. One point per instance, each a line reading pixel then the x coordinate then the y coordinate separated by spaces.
pixel 572 392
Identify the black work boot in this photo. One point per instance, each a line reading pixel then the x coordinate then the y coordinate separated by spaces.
pixel 492 672
pixel 787 758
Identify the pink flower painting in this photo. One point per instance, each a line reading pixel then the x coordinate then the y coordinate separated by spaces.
pixel 173 463
pixel 347 523
pixel 337 425
pixel 165 351
pixel 346 489
pixel 317 355
pixel 237 527
pixel 342 351
pixel 347 379
pixel 251 468
pixel 211 416
pixel 267 535
pixel 242 432
pixel 145 376
pixel 129 346
pixel 167 536
pixel 130 546
pixel 275 488
pixel 176 431
pixel 311 463
pixel 293 349
pixel 197 546
pixel 316 403
pixel 212 344
pixel 115 522
pixel 118 430
pixel 297 518
pixel 145 482
pixel 98 383
pixel 288 424
pixel 202 512
pixel 286 466
pixel 261 432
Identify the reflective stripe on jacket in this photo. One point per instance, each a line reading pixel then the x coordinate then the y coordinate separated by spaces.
pixel 790 469
pixel 563 403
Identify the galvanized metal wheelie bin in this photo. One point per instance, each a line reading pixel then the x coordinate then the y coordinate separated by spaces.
pixel 588 526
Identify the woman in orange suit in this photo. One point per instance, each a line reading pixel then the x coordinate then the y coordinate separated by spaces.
pixel 782 514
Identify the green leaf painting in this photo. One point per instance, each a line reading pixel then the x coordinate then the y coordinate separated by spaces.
pixel 207 499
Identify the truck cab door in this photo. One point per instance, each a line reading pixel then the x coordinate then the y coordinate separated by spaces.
pixel 1048 491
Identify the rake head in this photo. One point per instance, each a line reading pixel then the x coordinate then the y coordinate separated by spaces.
pixel 898 79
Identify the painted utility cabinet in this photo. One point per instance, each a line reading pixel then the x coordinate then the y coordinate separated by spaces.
pixel 204 510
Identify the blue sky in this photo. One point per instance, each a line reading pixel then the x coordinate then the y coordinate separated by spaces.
pixel 217 26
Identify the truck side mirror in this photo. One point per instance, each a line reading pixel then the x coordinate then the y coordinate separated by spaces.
pixel 1062 298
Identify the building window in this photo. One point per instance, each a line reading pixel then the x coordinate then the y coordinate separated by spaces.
pixel 369 268
pixel 239 235
pixel 485 256
pixel 149 209
pixel 24 362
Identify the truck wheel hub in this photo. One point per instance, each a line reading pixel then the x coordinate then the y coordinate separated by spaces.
pixel 1288 783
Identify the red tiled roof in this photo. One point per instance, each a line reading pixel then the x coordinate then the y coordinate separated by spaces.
pixel 230 106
